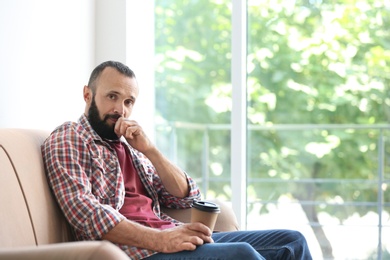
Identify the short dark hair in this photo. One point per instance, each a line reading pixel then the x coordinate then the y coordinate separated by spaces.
pixel 120 67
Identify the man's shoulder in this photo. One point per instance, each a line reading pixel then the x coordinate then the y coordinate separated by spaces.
pixel 70 131
pixel 68 127
pixel 59 137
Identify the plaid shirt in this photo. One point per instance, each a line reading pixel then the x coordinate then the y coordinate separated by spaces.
pixel 85 176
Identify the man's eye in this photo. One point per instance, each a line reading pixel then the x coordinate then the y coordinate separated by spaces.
pixel 129 102
pixel 111 96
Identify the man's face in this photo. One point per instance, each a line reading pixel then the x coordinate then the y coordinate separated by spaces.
pixel 115 95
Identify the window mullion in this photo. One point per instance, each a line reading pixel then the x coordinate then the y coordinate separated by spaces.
pixel 238 117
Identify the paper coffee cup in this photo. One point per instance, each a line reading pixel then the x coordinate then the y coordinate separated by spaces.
pixel 205 212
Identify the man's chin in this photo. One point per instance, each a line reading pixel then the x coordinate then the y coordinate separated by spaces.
pixel 106 131
pixel 109 136
pixel 109 131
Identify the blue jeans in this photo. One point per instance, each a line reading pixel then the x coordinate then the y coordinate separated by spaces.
pixel 248 245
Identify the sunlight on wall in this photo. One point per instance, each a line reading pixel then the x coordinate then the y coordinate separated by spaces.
pixel 46 56
pixel 49 48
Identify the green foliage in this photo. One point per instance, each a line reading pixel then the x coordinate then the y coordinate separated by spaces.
pixel 192 47
pixel 309 62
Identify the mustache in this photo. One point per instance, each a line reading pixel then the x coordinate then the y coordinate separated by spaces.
pixel 112 116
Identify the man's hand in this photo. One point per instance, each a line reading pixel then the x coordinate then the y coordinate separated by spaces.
pixel 185 237
pixel 172 240
pixel 134 134
pixel 173 178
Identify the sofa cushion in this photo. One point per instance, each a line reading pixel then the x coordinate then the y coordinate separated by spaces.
pixel 15 228
pixel 23 149
pixel 84 250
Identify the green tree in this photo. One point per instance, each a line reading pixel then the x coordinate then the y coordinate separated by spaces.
pixel 309 62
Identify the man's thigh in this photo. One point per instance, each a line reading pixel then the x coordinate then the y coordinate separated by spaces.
pixel 214 251
pixel 271 244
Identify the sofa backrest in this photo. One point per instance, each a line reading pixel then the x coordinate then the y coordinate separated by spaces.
pixel 29 215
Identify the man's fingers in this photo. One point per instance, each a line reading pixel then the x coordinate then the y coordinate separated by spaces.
pixel 201 231
pixel 126 127
pixel 131 131
pixel 199 227
pixel 188 246
pixel 196 240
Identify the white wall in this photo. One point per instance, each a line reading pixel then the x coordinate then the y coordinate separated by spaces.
pixel 125 32
pixel 46 54
pixel 49 47
pixel 140 57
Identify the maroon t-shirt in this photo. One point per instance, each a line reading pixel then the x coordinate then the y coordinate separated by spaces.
pixel 137 204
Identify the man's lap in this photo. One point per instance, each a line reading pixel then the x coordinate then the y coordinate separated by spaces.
pixel 264 244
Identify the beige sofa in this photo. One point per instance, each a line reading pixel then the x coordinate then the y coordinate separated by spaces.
pixel 31 224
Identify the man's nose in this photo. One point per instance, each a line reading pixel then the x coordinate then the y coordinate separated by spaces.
pixel 120 109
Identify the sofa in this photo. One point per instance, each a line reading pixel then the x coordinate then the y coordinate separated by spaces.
pixel 31 224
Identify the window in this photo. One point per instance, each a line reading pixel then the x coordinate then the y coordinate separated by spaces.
pixel 317 87
pixel 193 89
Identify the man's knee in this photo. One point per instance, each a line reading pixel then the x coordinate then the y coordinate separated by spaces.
pixel 297 236
pixel 243 250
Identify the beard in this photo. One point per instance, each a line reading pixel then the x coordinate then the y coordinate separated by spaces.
pixel 102 128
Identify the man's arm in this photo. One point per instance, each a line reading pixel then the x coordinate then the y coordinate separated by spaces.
pixel 174 179
pixel 185 237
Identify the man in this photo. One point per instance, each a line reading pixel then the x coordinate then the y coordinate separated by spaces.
pixel 110 180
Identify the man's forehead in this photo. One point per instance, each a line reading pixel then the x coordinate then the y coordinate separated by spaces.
pixel 123 85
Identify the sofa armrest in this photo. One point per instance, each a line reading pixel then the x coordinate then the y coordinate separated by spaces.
pixel 226 220
pixel 90 250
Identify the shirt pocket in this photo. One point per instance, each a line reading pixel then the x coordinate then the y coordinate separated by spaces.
pixel 104 179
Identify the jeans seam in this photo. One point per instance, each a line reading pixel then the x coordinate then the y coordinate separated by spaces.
pixel 278 248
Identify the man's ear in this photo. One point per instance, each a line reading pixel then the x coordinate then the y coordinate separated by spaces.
pixel 87 93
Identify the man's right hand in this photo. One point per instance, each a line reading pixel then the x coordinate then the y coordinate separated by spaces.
pixel 184 237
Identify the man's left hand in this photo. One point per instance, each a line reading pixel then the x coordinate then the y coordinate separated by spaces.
pixel 133 133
